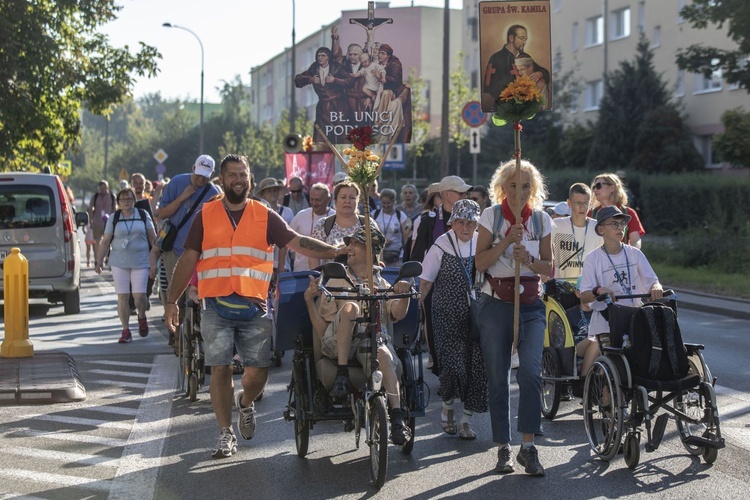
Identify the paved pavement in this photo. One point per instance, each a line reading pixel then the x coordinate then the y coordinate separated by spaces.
pixel 50 387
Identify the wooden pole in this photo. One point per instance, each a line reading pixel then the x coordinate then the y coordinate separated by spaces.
pixel 517 209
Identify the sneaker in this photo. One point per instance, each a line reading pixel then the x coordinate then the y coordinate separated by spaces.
pixel 126 337
pixel 227 445
pixel 246 421
pixel 504 460
pixel 340 387
pixel 143 327
pixel 529 458
pixel 400 432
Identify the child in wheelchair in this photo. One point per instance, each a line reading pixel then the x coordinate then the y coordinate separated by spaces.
pixel 612 269
pixel 336 324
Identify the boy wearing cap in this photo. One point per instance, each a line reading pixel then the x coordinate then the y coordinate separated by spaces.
pixel 334 322
pixel 574 237
pixel 614 269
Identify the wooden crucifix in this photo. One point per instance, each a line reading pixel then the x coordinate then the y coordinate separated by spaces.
pixel 370 24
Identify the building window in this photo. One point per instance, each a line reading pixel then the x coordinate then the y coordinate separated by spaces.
pixel 705 147
pixel 743 67
pixel 575 37
pixel 712 84
pixel 656 39
pixel 474 28
pixel 594 31
pixel 641 17
pixel 680 86
pixel 592 95
pixel 620 23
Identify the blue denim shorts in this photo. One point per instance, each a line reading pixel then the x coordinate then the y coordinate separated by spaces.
pixel 252 338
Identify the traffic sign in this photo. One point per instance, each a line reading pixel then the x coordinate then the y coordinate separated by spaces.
pixel 472 114
pixel 160 156
pixel 161 169
pixel 124 175
pixel 475 141
pixel 396 158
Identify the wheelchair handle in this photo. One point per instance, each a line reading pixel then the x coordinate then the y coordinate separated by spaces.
pixel 602 297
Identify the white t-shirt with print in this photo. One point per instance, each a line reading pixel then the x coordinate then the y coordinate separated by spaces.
pixel 627 272
pixel 571 245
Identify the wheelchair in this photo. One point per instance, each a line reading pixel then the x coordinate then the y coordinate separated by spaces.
pixel 559 361
pixel 312 375
pixel 617 403
pixel 191 368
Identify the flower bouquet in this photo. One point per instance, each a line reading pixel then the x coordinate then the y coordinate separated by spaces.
pixel 363 167
pixel 307 144
pixel 520 100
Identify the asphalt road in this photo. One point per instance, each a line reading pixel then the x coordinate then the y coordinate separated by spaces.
pixel 134 437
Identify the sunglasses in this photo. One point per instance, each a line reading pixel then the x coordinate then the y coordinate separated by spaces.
pixel 295 190
pixel 599 185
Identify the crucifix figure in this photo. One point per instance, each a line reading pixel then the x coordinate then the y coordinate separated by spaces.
pixel 370 24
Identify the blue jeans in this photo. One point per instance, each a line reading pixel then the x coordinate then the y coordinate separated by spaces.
pixel 496 338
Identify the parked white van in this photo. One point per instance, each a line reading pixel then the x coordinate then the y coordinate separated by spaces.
pixel 37 217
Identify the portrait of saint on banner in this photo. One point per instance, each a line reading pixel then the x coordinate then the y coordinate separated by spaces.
pixel 359 79
pixel 514 40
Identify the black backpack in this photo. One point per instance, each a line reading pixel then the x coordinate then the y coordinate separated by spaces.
pixel 656 350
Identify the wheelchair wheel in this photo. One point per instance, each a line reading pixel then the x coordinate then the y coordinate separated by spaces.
pixel 378 441
pixel 603 409
pixel 632 449
pixel 551 389
pixel 301 424
pixel 409 445
pixel 698 404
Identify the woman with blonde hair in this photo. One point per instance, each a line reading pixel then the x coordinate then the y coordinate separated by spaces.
pixel 609 191
pixel 502 242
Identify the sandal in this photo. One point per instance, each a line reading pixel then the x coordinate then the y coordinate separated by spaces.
pixel 466 432
pixel 449 424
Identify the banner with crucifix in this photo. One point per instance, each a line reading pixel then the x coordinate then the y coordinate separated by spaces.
pixel 514 41
pixel 360 81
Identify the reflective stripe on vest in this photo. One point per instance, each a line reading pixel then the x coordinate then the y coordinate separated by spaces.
pixel 235 260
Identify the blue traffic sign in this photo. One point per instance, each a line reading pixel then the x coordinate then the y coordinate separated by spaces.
pixel 472 114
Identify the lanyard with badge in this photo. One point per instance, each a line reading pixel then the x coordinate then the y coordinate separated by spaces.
pixel 129 229
pixel 620 279
pixel 580 253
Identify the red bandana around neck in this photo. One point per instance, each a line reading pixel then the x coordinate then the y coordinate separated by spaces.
pixel 510 217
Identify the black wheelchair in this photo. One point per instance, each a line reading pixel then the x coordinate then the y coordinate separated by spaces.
pixel 312 375
pixel 617 403
pixel 191 368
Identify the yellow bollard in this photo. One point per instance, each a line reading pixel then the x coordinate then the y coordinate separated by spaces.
pixel 16 303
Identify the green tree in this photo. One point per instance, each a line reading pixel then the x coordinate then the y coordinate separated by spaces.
pixel 53 63
pixel 699 58
pixel 732 144
pixel 631 93
pixel 420 127
pixel 663 144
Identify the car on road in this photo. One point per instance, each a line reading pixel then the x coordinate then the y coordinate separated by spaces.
pixel 37 217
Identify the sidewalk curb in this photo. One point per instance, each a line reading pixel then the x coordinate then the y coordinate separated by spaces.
pixel 715 304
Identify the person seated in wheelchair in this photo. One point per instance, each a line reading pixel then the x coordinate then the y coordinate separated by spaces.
pixel 335 324
pixel 612 269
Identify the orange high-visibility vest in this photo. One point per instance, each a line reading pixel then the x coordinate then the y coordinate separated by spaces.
pixel 232 260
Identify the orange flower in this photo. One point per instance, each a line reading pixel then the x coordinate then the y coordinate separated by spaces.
pixel 522 89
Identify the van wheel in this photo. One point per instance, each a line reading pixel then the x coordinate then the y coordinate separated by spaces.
pixel 72 301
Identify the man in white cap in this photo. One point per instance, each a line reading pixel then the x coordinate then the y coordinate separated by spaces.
pixel 181 199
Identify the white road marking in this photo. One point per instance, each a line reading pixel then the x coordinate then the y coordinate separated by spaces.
pixel 115 410
pixel 64 419
pixel 120 373
pixel 63 456
pixel 60 436
pixel 111 362
pixel 58 479
pixel 122 383
pixel 142 457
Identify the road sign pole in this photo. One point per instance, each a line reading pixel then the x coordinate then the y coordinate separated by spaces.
pixel 474 170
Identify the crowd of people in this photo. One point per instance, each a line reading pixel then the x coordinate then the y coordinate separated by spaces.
pixel 236 237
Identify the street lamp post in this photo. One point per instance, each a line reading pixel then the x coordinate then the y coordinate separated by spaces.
pixel 200 128
pixel 293 111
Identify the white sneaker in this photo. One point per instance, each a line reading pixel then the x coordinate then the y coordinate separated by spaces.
pixel 227 445
pixel 246 421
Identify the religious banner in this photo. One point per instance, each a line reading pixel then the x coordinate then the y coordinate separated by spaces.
pixel 311 167
pixel 360 80
pixel 514 41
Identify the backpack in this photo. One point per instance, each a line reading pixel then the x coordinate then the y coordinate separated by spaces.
pixel 657 351
pixel 141 212
pixel 536 223
pixel 376 213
